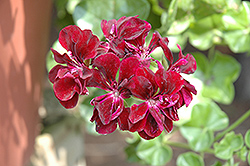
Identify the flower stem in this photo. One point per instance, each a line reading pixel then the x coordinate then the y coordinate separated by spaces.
pixel 186 146
pixel 233 126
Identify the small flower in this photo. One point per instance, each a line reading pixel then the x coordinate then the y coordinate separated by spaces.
pixel 122 30
pixel 185 64
pixel 159 91
pixel 108 107
pixel 69 78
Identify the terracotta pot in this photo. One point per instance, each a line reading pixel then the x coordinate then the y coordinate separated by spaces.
pixel 24 32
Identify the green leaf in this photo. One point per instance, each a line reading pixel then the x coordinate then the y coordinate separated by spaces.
pixel 153 152
pixel 130 150
pixel 208 115
pixel 248 157
pixel 217 163
pixel 238 18
pixel 242 154
pixel 247 138
pixel 189 159
pixel 201 34
pixel 88 14
pixel 229 144
pixel 218 76
pixel 202 9
pixel 199 139
pixel 238 40
pixel 186 5
pixel 172 11
pixel 179 26
pixel 246 8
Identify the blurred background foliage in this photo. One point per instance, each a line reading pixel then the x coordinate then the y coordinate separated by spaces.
pixel 205 27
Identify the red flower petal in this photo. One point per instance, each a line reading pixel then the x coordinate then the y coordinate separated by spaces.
pixel 169 82
pixel 190 66
pixel 97 80
pixel 157 41
pixel 106 129
pixel 108 64
pixel 140 87
pixel 130 28
pixel 170 113
pixel 53 74
pixel 105 108
pixel 100 127
pixel 123 120
pixel 138 112
pixel 139 126
pixel 82 43
pixel 168 124
pixel 151 127
pixel 158 117
pixel 63 59
pixel 144 135
pixel 118 108
pixel 128 68
pixel 149 74
pixel 69 36
pixel 87 45
pixel 71 103
pixel 109 28
pixel 187 96
pixel 65 88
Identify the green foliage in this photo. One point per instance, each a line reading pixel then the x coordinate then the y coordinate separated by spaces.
pixel 247 138
pixel 248 157
pixel 189 159
pixel 130 150
pixel 228 145
pixel 88 14
pixel 154 152
pixel 205 119
pixel 218 75
pixel 242 154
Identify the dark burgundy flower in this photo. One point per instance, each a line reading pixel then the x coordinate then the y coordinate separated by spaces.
pixel 185 64
pixel 159 91
pixel 108 107
pixel 122 30
pixel 69 78
pixel 138 48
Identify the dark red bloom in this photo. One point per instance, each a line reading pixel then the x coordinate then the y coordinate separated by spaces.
pixel 108 107
pixel 69 78
pixel 122 30
pixel 163 92
pixel 185 64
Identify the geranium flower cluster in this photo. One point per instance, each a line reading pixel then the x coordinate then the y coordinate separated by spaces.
pixel 121 67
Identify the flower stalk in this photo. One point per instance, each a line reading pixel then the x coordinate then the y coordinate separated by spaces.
pixel 233 126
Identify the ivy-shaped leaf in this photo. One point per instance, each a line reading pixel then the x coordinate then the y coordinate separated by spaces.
pixel 206 117
pixel 198 139
pixel 229 144
pixel 153 152
pixel 218 76
pixel 189 159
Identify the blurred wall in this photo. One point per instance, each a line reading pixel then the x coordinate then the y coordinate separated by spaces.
pixel 24 34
